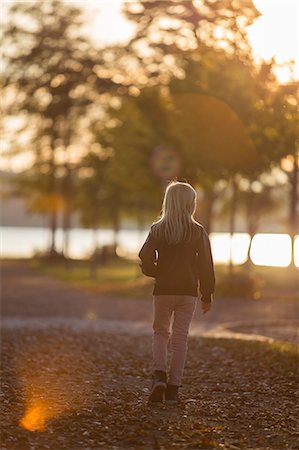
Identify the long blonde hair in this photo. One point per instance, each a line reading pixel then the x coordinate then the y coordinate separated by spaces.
pixel 176 223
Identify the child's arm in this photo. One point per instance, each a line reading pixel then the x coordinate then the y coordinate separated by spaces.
pixel 148 258
pixel 206 268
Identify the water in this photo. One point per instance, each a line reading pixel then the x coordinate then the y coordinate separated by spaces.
pixel 26 241
pixel 267 248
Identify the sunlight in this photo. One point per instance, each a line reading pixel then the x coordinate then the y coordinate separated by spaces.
pixel 275 34
pixel 221 247
pixel 106 24
pixel 267 249
pixel 271 250
pixel 90 315
pixel 36 416
pixel 49 373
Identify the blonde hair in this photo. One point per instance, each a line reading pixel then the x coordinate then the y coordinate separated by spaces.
pixel 176 223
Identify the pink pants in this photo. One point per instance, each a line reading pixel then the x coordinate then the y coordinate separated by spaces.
pixel 181 309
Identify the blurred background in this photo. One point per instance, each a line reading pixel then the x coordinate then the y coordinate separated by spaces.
pixel 105 102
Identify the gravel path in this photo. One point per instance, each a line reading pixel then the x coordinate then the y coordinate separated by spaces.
pixel 76 371
pixel 34 300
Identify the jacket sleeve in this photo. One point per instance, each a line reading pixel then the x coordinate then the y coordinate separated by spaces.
pixel 148 256
pixel 206 267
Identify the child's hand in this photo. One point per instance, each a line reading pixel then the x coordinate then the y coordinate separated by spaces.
pixel 206 306
pixel 206 303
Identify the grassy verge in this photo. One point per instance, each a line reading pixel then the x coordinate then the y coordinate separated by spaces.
pixel 281 357
pixel 118 277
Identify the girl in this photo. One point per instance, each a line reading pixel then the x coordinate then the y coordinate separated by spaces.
pixel 177 254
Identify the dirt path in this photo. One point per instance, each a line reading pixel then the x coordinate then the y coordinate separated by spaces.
pixel 76 371
pixel 84 390
pixel 43 302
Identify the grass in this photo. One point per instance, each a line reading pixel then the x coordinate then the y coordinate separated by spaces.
pixel 258 282
pixel 123 278
pixel 281 357
pixel 118 277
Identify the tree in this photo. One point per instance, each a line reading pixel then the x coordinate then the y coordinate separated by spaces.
pixel 289 130
pixel 257 200
pixel 90 198
pixel 51 76
pixel 201 49
pixel 133 131
pixel 165 30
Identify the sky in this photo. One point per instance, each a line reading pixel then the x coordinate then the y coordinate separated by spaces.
pixel 276 34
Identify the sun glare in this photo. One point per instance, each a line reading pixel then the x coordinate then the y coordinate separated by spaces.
pixel 268 249
pixel 271 250
pixel 35 417
pixel 223 246
pixel 275 34
pixel 106 24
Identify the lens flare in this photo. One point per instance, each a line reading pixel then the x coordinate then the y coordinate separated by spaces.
pixel 54 380
pixel 35 417
pixel 165 163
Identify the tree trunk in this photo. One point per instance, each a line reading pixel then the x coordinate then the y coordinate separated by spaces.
pixel 252 225
pixel 232 220
pixel 53 203
pixel 294 222
pixel 93 261
pixel 95 237
pixel 67 211
pixel 249 263
pixel 52 191
pixel 115 227
pixel 66 232
pixel 53 228
pixel 207 204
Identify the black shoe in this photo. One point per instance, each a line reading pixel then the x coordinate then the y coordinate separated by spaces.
pixel 158 387
pixel 172 394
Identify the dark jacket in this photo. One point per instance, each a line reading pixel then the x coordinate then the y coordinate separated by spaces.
pixel 178 269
